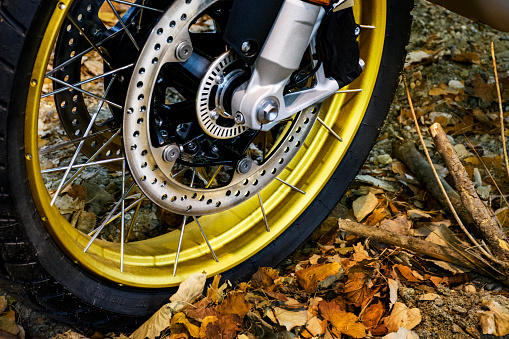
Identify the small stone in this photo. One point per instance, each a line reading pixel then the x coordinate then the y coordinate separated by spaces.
pixel 462 151
pixel 456 84
pixel 464 73
pixel 456 329
pixel 459 309
pixel 384 159
pixel 439 302
pixel 470 288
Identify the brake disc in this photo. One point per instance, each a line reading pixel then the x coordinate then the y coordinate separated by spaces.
pixel 154 171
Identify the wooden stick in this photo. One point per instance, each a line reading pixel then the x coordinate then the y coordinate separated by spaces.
pixel 460 258
pixel 407 153
pixel 500 109
pixel 486 222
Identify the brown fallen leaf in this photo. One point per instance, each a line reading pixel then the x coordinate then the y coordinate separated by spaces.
pixel 402 316
pixel 309 277
pixel 393 291
pixel 214 292
pixel 402 333
pixel 342 322
pixel 155 325
pixel 373 314
pixel 222 327
pixel 201 310
pixel 264 278
pixel 235 303
pixel 496 320
pixel 364 205
pixel 315 326
pixel 400 225
pixel 467 58
pixel 180 318
pixel 290 318
pixel 406 272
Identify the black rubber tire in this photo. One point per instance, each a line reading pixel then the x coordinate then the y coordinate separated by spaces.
pixel 36 271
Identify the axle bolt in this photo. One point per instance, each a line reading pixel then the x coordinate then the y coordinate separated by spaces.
pixel 244 165
pixel 268 110
pixel 171 153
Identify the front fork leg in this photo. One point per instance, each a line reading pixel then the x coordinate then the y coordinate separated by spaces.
pixel 259 104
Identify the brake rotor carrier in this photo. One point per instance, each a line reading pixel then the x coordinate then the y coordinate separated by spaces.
pixel 151 172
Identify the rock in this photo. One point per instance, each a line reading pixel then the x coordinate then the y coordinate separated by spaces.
pixel 470 288
pixel 459 309
pixel 364 205
pixel 456 84
pixel 439 302
pixel 384 159
pixel 462 151
pixel 456 329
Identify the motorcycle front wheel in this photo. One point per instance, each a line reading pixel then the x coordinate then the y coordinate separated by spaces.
pixel 86 244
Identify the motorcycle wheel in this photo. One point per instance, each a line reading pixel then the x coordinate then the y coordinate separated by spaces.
pixel 42 255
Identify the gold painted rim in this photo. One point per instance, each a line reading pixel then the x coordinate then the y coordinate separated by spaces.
pixel 236 234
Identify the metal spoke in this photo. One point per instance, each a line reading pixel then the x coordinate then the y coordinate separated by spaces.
pixel 85 35
pixel 139 6
pixel 116 216
pixel 75 175
pixel 214 176
pixel 88 80
pixel 179 172
pixel 122 221
pixel 206 240
pixel 103 99
pixel 73 141
pixel 88 164
pixel 349 91
pixel 89 127
pixel 79 55
pixel 291 186
pixel 134 219
pixel 105 221
pixel 123 24
pixel 263 212
pixel 329 129
pixel 182 230
pixel 367 26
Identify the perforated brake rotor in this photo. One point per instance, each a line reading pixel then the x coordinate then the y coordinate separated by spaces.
pixel 152 173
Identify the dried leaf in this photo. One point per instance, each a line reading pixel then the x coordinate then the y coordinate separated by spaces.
pixel 264 278
pixel 399 225
pixel 467 58
pixel 402 333
pixel 235 303
pixel 364 205
pixel 402 316
pixel 393 291
pixel 309 277
pixel 214 292
pixel 201 310
pixel 417 214
pixel 290 318
pixel 417 57
pixel 373 314
pixel 3 304
pixel 190 289
pixel 222 327
pixel 406 272
pixel 315 326
pixel 342 322
pixel 496 320
pixel 155 325
pixel 180 318
pixel 428 297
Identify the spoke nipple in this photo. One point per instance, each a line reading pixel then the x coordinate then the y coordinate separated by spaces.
pixel 239 118
pixel 171 153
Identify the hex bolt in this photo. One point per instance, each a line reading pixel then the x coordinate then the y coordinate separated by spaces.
pixel 239 118
pixel 245 47
pixel 192 146
pixel 214 115
pixel 268 110
pixel 171 153
pixel 184 50
pixel 244 165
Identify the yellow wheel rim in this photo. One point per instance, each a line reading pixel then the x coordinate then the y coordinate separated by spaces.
pixel 235 234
